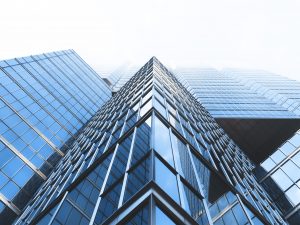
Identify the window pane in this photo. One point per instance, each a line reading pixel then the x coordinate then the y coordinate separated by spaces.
pixel 162 142
pixel 142 217
pixel 141 142
pixel 166 180
pixel 194 206
pixel 161 218
pixel 137 178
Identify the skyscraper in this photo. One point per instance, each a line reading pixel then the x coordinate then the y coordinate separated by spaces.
pixel 259 110
pixel 44 101
pixel 152 155
pixel 246 104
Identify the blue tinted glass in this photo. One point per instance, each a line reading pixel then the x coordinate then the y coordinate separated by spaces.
pixel 161 218
pixel 166 180
pixel 162 142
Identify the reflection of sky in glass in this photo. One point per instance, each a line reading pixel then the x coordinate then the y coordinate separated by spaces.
pixel 175 145
pixel 294 194
pixel 146 108
pixel 162 141
pixel 166 180
pixel 161 218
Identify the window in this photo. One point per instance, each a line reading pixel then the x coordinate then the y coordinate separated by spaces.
pixel 166 180
pixel 162 142
pixel 281 179
pixel 161 218
pixel 294 195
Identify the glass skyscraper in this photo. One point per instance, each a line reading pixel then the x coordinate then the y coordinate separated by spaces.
pixel 152 155
pixel 259 110
pixel 246 104
pixel 146 147
pixel 44 101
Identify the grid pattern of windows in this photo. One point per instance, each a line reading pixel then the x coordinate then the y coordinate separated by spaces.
pixel 213 88
pixel 44 101
pixel 180 172
pixel 280 176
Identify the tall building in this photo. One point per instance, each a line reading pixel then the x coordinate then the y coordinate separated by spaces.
pixel 260 111
pixel 279 174
pixel 246 104
pixel 44 101
pixel 152 155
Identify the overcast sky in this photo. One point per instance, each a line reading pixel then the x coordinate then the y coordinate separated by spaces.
pixel 258 34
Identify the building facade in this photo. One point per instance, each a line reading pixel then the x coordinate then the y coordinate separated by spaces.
pixel 279 174
pixel 152 155
pixel 44 101
pixel 259 110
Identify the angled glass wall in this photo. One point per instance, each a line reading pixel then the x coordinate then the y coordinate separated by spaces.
pixel 44 101
pixel 280 176
pixel 152 155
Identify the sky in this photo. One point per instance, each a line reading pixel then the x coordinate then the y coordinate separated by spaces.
pixel 254 34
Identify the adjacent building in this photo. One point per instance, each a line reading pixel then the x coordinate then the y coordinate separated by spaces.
pixel 260 111
pixel 152 155
pixel 44 102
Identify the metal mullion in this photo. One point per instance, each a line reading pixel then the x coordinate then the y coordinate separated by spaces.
pixel 103 186
pixel 83 62
pixel 127 168
pixel 9 204
pixel 58 65
pixel 58 208
pixel 49 91
pixel 244 209
pixel 32 97
pixel 87 75
pixel 60 82
pixel 23 158
pixel 200 185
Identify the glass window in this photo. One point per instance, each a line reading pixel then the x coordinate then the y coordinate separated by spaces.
pixel 278 156
pixel 296 158
pixel 147 96
pixel 120 162
pixel 108 203
pixel 295 140
pixel 158 96
pixel 137 178
pixel 141 142
pixel 194 206
pixel 13 166
pixel 146 108
pixel 281 179
pixel 161 218
pixel 294 195
pixel 268 164
pixel 142 217
pixel 162 142
pixel 166 180
pixel 228 218
pixel 160 108
pixel 287 148
pixel 183 161
pixel 291 170
pixel 239 214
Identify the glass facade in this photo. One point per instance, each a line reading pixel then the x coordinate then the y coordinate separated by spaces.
pixel 247 90
pixel 152 155
pixel 260 111
pixel 280 176
pixel 44 101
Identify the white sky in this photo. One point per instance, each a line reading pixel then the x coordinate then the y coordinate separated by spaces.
pixel 258 34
